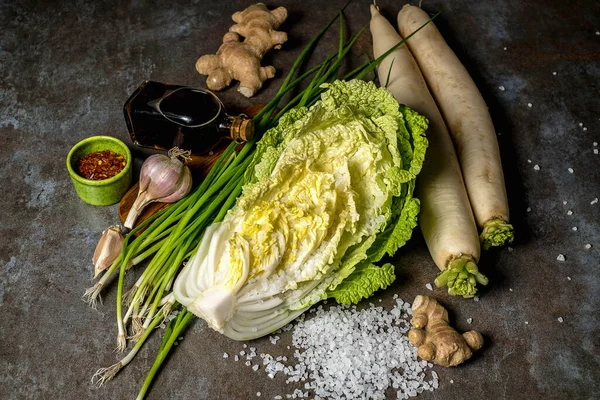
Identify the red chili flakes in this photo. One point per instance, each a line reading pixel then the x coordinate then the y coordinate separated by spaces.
pixel 101 165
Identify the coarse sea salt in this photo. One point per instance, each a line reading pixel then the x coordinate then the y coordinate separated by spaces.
pixel 536 167
pixel 349 353
pixel 561 257
pixel 594 201
pixel 570 170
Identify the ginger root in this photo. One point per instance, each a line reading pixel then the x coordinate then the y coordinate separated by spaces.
pixel 436 340
pixel 240 60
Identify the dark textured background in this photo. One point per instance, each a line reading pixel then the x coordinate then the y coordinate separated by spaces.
pixel 66 68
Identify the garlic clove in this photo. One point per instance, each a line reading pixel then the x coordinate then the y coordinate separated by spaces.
pixel 108 249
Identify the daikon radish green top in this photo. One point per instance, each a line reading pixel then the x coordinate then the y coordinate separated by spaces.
pixel 330 193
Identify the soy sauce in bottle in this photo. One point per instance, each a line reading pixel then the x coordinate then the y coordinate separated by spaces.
pixel 163 116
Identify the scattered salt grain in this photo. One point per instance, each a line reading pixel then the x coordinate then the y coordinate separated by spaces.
pixel 560 319
pixel 258 394
pixel 245 345
pixel 526 322
pixel 510 289
pixel 255 367
pixel 451 381
pixel 560 257
pixel 595 151
pixel 506 48
pixel 225 355
pixel 568 278
pixel 598 33
pixel 529 161
pixel 536 167
pixel 574 228
pixel 554 73
pixel 428 286
pixel 570 170
pixel 236 358
pixel 501 88
pixel 278 397
pixel 242 353
pixel 528 209
pixel 581 124
pixel 529 105
pixel 273 339
pixel 564 203
pixel 594 201
pixel 248 363
pixel 588 246
pixel 595 144
pixel 585 128
pixel 469 320
pixel 510 249
pixel 569 212
pixel 476 299
pixel 210 153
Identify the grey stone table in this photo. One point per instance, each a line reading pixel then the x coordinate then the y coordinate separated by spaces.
pixel 66 68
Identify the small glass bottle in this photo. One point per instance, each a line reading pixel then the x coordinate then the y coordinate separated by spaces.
pixel 163 116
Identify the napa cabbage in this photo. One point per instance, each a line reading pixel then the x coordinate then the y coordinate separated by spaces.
pixel 329 194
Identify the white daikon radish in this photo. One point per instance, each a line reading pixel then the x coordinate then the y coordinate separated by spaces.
pixel 446 219
pixel 469 122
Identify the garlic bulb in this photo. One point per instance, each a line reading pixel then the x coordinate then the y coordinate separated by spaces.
pixel 163 178
pixel 108 249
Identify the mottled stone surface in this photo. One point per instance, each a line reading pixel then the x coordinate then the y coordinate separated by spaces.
pixel 66 68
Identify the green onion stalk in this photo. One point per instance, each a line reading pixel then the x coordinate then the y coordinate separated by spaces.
pixel 170 237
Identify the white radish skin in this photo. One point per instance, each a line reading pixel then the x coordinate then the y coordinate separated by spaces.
pixel 469 122
pixel 446 219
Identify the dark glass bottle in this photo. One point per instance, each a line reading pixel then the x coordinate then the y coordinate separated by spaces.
pixel 163 116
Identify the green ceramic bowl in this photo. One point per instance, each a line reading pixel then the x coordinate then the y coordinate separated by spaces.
pixel 107 191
